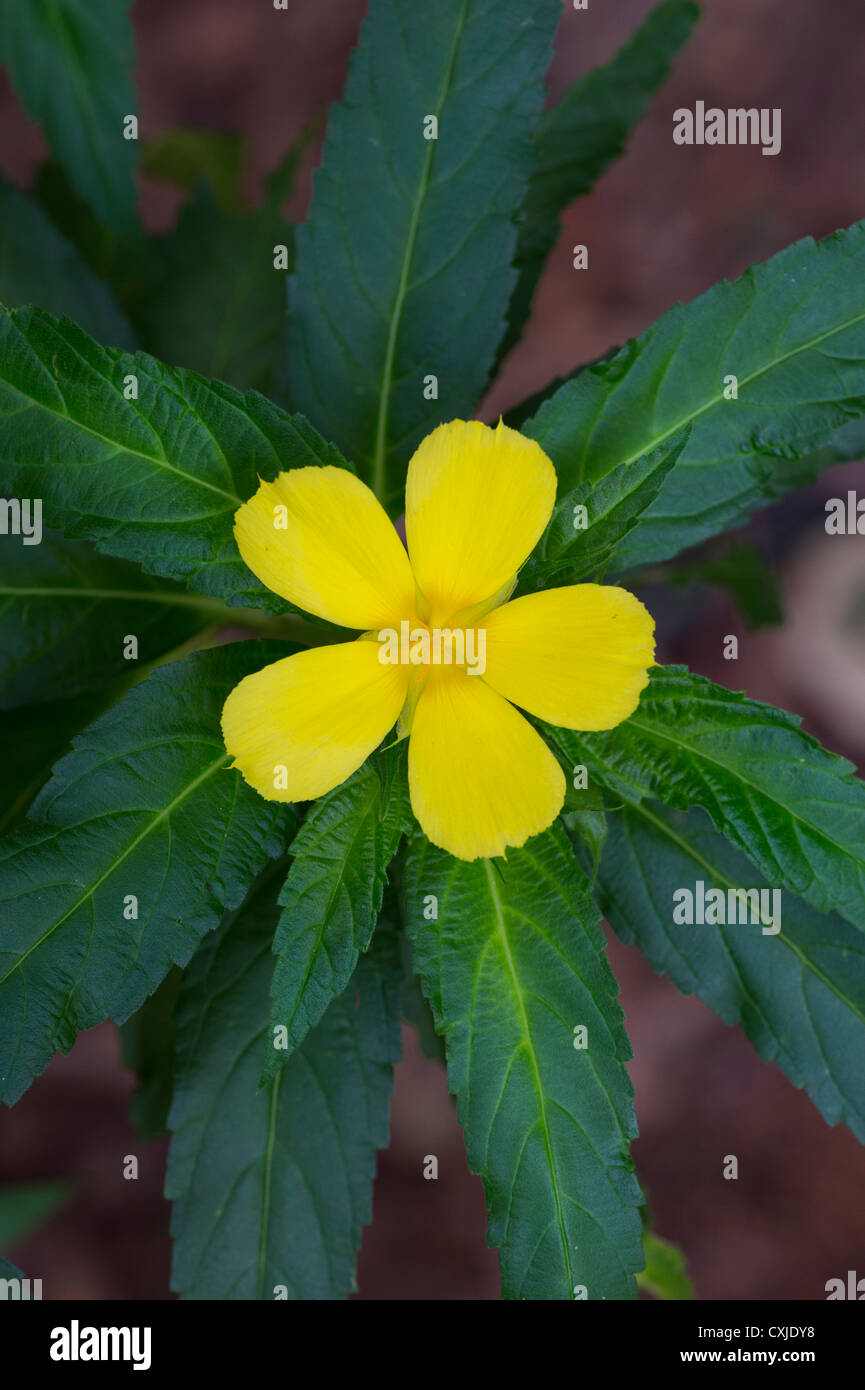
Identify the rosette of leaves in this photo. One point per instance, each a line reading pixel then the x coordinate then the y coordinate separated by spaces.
pixel 141 880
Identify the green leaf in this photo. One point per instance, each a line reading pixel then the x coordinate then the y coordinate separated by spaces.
pixel 333 894
pixel 404 266
pixel 417 1012
pixel 25 1206
pixel 585 132
pixel 273 1187
pixel 144 805
pixel 65 613
pixel 415 1005
pixel 513 964
pixel 156 480
pixel 666 1273
pixel 149 1039
pixel 799 995
pixel 8 1270
pixel 518 414
pixel 38 266
pixel 126 263
pixel 567 553
pixel 218 305
pixel 797 811
pixel 679 519
pixel 33 737
pixel 585 817
pixel 792 331
pixel 70 62
pixel 743 572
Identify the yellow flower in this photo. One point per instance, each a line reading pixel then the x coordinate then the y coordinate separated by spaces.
pixel 477 502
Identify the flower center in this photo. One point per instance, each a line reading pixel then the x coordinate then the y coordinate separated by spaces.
pixel 419 644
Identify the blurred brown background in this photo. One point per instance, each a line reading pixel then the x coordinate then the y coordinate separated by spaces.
pixel 663 225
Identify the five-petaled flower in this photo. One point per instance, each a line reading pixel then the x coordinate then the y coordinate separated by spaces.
pixel 481 778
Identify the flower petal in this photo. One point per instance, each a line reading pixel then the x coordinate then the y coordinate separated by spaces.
pixel 477 502
pixel 298 728
pixel 481 779
pixel 577 657
pixel 321 539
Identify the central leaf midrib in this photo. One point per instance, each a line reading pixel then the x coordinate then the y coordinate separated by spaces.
pixel 115 863
pixel 714 872
pixel 698 753
pixel 138 595
pixel 378 463
pixel 267 1182
pixel 354 837
pixel 533 1060
pixel 87 110
pixel 121 448
pixel 710 404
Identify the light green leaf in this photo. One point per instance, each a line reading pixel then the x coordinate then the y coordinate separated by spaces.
pixel 513 964
pixel 792 331
pixel 70 61
pixel 38 266
pixel 333 894
pixel 583 133
pixel 273 1187
pixel 218 305
pixel 144 805
pixel 799 994
pixel 666 1273
pixel 65 614
pixel 404 266
pixel 797 811
pixel 567 552
pixel 155 479
pixel 26 1206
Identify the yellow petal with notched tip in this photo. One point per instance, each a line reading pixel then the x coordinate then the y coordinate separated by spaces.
pixel 477 501
pixel 577 657
pixel 321 539
pixel 301 726
pixel 481 779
